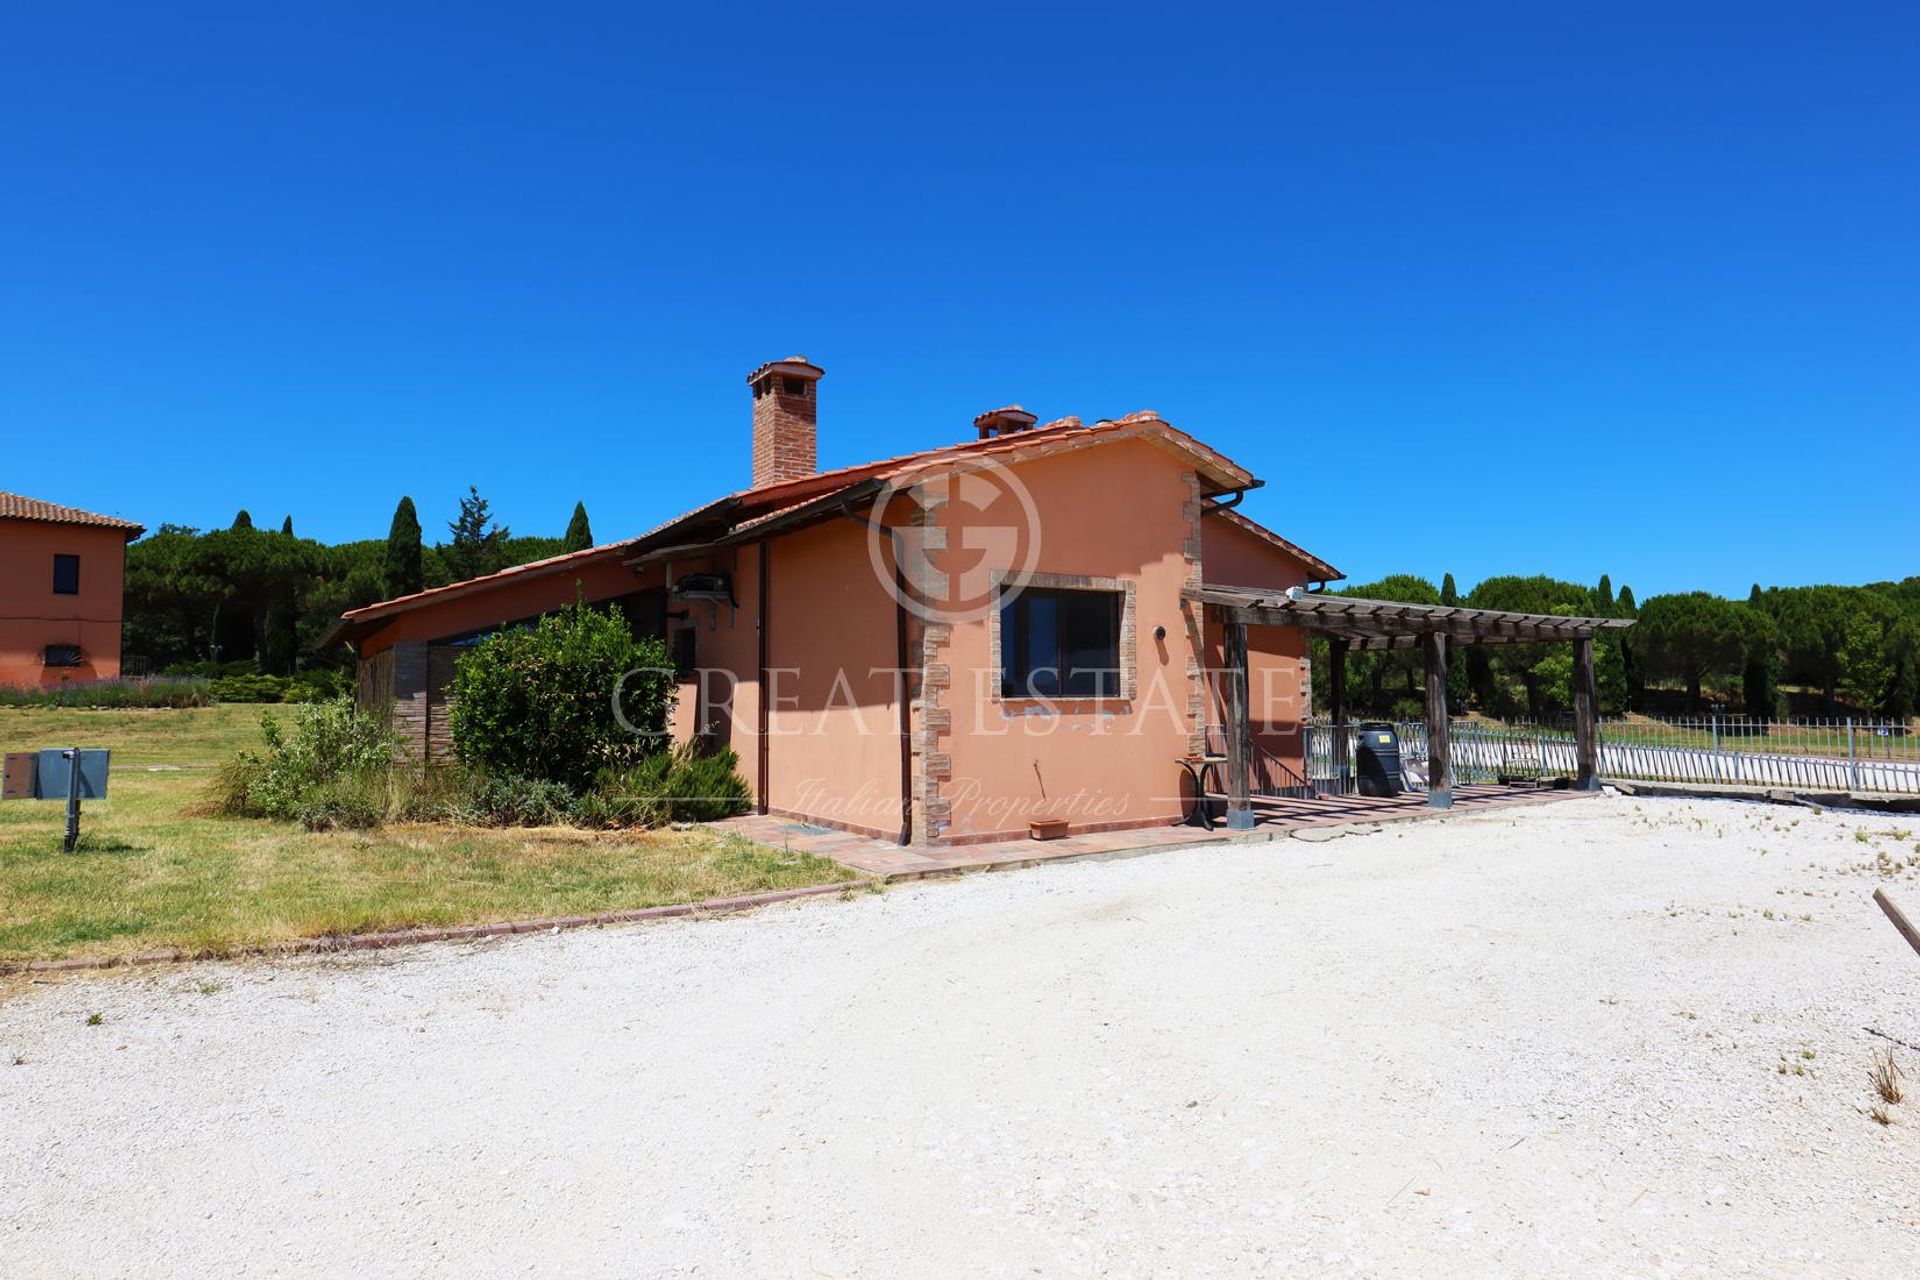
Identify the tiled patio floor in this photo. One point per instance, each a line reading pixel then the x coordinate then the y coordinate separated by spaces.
pixel 1277 819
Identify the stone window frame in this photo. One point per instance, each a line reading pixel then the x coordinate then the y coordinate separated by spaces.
pixel 1127 588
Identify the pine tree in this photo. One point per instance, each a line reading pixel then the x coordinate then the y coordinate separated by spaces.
pixel 243 520
pixel 579 532
pixel 476 548
pixel 403 574
pixel 286 526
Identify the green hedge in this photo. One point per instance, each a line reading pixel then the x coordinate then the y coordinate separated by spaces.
pixel 112 695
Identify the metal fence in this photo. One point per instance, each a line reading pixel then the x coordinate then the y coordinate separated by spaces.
pixel 1839 754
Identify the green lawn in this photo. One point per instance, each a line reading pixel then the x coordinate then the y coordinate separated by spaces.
pixel 193 736
pixel 149 876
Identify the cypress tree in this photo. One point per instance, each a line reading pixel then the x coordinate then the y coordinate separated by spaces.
pixel 1604 596
pixel 1758 683
pixel 579 532
pixel 286 526
pixel 1630 660
pixel 403 574
pixel 1459 682
pixel 243 520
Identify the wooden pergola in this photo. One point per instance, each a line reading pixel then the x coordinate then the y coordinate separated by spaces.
pixel 1350 623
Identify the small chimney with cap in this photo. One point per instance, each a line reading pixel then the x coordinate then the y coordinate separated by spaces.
pixel 786 419
pixel 1004 422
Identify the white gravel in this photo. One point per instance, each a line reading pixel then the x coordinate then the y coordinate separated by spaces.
pixel 1547 1041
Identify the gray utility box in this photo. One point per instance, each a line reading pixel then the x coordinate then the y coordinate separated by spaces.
pixel 53 769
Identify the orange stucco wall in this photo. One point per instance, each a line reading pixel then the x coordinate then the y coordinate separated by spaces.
pixel 33 617
pixel 979 765
pixel 725 701
pixel 1115 512
pixel 1278 692
pixel 833 746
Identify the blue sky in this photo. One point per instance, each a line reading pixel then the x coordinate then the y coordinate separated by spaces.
pixel 1607 288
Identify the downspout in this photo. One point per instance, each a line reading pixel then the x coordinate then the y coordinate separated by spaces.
pixel 906 709
pixel 1234 499
pixel 762 713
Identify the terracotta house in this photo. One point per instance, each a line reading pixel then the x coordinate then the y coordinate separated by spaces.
pixel 937 647
pixel 61 572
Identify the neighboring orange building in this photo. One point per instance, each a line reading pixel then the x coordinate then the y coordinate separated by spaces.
pixel 936 647
pixel 61 573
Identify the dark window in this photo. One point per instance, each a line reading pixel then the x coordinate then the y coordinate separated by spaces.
pixel 684 659
pixel 63 655
pixel 66 575
pixel 1060 644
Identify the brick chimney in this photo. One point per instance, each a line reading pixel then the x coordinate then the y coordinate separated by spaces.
pixel 786 415
pixel 1004 421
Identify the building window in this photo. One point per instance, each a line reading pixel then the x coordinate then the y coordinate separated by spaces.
pixel 63 655
pixel 685 659
pixel 1060 644
pixel 66 575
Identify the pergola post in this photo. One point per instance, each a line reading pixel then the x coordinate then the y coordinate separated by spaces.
pixel 1586 754
pixel 1342 746
pixel 1239 728
pixel 1439 751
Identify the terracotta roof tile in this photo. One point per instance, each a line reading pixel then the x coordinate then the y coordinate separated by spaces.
pixel 13 506
pixel 751 507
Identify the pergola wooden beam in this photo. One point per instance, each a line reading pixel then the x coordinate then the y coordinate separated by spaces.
pixel 1439 749
pixel 1390 624
pixel 1352 623
pixel 1586 759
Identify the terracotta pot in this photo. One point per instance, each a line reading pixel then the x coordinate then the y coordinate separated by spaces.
pixel 1047 828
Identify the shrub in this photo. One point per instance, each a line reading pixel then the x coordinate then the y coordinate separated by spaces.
pixel 320 684
pixel 332 768
pixel 706 788
pixel 355 801
pixel 545 702
pixel 210 669
pixel 510 800
pixel 681 785
pixel 112 695
pixel 252 688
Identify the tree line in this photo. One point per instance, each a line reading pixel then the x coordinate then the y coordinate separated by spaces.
pixel 1820 650
pixel 244 598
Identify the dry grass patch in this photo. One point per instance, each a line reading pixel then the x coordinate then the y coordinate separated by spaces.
pixel 149 876
pixel 1885 1074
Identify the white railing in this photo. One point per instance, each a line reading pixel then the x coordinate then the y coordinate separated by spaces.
pixel 1838 754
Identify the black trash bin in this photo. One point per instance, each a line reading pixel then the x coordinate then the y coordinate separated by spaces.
pixel 1377 761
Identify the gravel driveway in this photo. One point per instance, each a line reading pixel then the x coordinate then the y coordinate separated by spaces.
pixel 1558 1040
